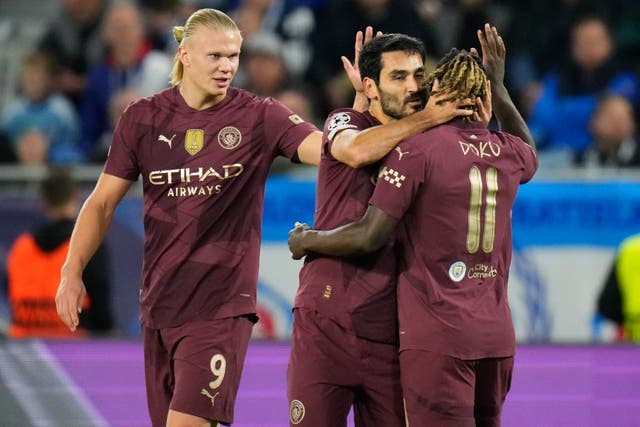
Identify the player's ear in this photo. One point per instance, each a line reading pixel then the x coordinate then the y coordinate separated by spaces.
pixel 183 55
pixel 370 88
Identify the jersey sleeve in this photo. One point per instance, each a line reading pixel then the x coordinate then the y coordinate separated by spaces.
pixel 286 128
pixel 341 119
pixel 400 177
pixel 524 153
pixel 122 159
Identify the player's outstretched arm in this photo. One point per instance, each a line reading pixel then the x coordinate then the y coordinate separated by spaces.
pixel 368 234
pixel 493 58
pixel 91 226
pixel 360 148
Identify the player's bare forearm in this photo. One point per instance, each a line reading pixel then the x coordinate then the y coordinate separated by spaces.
pixel 93 221
pixel 345 241
pixel 366 235
pixel 309 149
pixel 358 149
pixel 509 118
pixel 89 231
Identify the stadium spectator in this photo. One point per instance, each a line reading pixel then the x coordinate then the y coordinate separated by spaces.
pixel 33 267
pixel 613 129
pixel 40 108
pixel 31 148
pixel 560 118
pixel 264 71
pixel 130 63
pixel 294 21
pixel 74 41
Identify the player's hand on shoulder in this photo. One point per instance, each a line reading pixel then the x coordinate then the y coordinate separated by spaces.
pixel 296 240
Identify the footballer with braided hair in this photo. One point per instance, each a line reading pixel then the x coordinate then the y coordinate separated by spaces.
pixel 462 75
pixel 447 196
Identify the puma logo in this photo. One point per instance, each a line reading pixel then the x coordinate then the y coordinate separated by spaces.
pixel 167 140
pixel 400 153
pixel 205 392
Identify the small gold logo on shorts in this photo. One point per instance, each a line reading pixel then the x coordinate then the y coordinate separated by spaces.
pixel 205 392
pixel 194 141
pixel 328 290
pixel 296 412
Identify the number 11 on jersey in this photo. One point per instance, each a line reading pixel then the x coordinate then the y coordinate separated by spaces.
pixel 476 228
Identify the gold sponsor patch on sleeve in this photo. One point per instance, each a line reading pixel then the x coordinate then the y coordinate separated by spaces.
pixel 296 119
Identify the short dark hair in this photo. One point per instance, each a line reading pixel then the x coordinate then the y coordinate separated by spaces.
pixel 370 62
pixel 58 188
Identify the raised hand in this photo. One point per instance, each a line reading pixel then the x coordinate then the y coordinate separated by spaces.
pixel 493 53
pixel 352 69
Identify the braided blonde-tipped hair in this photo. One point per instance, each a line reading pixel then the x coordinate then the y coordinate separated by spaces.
pixel 210 18
pixel 462 75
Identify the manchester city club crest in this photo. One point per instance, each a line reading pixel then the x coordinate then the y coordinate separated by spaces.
pixel 194 141
pixel 229 137
pixel 296 412
pixel 457 271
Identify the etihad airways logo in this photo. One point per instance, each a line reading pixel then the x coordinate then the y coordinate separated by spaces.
pixel 204 179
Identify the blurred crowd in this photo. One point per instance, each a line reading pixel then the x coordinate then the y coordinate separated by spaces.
pixel 572 66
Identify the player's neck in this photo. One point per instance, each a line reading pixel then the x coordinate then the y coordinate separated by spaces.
pixel 196 99
pixel 375 109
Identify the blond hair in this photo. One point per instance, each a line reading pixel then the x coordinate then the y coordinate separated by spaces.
pixel 461 75
pixel 210 18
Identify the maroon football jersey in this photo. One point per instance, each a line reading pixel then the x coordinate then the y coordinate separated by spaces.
pixel 357 292
pixel 453 187
pixel 204 175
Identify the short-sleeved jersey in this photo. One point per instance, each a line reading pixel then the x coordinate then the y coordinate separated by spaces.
pixel 204 174
pixel 453 187
pixel 358 292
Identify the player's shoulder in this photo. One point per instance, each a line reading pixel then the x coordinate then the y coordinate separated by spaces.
pixel 162 100
pixel 346 115
pixel 347 118
pixel 510 140
pixel 244 98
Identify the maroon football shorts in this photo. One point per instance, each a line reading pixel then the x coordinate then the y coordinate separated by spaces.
pixel 331 369
pixel 195 368
pixel 444 391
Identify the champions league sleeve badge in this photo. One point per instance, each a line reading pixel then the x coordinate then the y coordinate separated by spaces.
pixel 338 122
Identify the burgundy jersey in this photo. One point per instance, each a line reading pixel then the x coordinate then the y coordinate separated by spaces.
pixel 359 292
pixel 204 175
pixel 453 187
